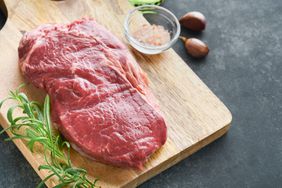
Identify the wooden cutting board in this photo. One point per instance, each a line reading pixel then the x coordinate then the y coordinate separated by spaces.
pixel 194 115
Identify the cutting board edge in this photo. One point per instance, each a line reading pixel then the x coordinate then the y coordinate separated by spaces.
pixel 179 157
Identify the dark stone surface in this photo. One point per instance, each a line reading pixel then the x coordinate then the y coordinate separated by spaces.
pixel 244 70
pixel 2 19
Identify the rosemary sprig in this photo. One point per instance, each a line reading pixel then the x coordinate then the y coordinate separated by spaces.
pixel 34 126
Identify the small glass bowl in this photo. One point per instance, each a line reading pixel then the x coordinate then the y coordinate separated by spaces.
pixel 151 14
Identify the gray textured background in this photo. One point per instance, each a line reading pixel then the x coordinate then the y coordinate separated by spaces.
pixel 244 70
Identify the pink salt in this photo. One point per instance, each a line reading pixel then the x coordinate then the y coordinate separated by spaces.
pixel 154 35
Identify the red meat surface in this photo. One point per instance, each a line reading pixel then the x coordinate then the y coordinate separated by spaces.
pixel 100 99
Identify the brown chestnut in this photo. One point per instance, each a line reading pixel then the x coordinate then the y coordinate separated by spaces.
pixel 195 47
pixel 194 21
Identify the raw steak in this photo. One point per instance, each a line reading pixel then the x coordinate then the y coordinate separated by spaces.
pixel 99 95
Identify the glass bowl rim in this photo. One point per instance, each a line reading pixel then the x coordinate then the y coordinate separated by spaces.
pixel 162 47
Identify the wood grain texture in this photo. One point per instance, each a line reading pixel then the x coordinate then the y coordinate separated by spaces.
pixel 194 115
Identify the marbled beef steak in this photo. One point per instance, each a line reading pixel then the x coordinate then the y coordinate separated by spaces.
pixel 100 99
